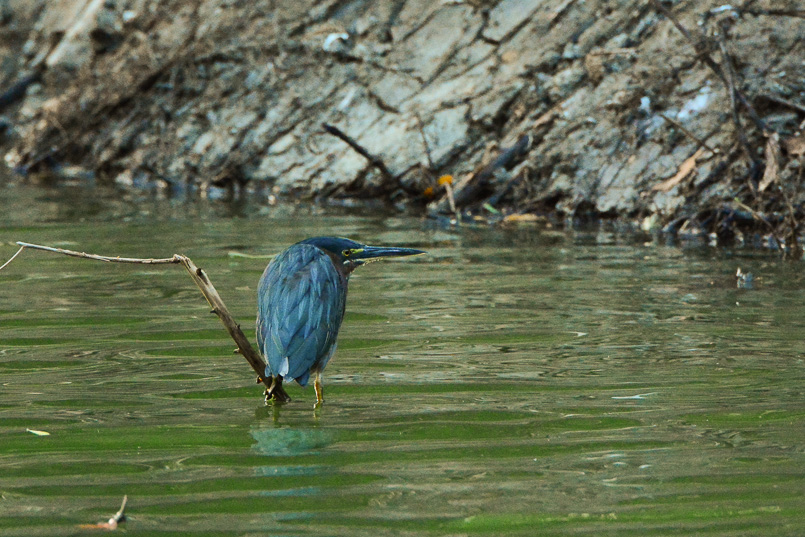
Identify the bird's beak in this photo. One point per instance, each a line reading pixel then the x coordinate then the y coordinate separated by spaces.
pixel 372 253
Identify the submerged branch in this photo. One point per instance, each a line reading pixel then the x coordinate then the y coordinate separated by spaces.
pixel 112 523
pixel 199 277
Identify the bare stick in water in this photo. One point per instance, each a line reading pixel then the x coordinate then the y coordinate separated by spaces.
pixel 199 277
pixel 12 258
pixel 113 522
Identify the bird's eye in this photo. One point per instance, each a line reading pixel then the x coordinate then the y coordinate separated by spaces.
pixel 346 253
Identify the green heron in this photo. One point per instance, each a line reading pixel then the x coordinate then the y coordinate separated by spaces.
pixel 300 305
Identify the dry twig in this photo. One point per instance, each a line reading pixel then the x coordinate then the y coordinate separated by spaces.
pixel 560 10
pixel 702 51
pixel 689 134
pixel 447 182
pixel 199 277
pixel 761 218
pixel 800 13
pixel 469 188
pixel 785 102
pixel 729 79
pixel 113 522
pixel 375 161
pixel 4 265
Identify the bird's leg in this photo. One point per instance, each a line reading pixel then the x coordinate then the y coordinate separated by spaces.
pixel 319 390
pixel 276 391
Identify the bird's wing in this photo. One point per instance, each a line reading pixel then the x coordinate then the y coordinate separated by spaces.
pixel 301 300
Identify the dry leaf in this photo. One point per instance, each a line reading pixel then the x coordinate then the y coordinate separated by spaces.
pixel 519 218
pixel 685 169
pixel 773 158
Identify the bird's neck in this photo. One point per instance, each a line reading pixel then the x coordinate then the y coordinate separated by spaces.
pixel 344 269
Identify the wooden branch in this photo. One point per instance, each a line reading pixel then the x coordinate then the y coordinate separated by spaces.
pixel 81 24
pixel 17 90
pixel 115 521
pixel 468 191
pixel 785 102
pixel 701 48
pixel 729 80
pixel 201 280
pixel 219 308
pixel 689 134
pixel 559 11
pixel 108 259
pixel 4 265
pixel 800 13
pixel 375 161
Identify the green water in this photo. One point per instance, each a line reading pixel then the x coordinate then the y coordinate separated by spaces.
pixel 511 382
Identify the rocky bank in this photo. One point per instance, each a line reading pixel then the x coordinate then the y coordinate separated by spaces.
pixel 686 116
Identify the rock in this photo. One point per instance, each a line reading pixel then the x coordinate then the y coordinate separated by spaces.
pixel 194 91
pixel 507 16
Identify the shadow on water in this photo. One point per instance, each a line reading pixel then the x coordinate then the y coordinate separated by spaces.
pixel 509 383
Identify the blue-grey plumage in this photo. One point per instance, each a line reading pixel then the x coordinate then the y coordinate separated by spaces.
pixel 301 301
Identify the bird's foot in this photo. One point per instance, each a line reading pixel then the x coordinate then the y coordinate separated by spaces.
pixel 278 396
pixel 276 392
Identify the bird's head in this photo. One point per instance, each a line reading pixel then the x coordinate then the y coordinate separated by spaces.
pixel 349 255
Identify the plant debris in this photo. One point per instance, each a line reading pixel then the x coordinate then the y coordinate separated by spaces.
pixel 581 110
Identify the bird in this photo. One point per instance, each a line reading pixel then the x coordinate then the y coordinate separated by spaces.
pixel 301 299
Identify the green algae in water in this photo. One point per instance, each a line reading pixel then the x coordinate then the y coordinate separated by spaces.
pixel 465 398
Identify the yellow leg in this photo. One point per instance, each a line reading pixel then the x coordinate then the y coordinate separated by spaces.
pixel 319 390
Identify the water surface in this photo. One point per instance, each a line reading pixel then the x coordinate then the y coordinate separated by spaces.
pixel 511 382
